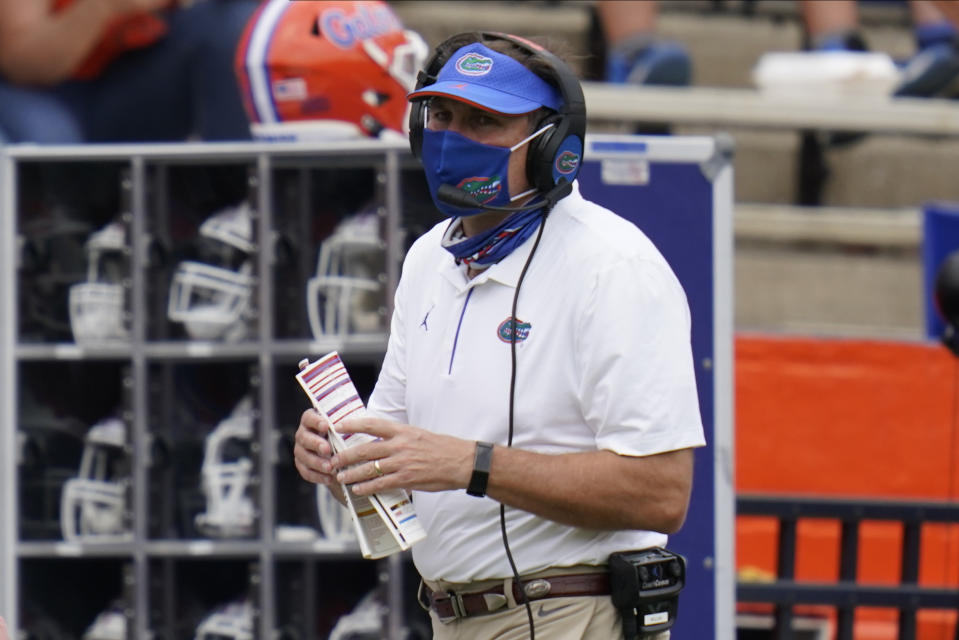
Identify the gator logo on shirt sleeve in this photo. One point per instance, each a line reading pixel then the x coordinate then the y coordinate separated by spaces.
pixel 482 188
pixel 506 328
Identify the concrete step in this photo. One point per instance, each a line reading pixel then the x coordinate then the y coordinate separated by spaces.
pixel 874 172
pixel 565 24
pixel 828 271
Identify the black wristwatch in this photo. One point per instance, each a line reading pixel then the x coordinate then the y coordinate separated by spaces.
pixel 481 465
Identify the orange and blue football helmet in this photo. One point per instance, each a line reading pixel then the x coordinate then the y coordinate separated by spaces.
pixel 327 70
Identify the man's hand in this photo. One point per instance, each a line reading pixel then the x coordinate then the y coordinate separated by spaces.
pixel 312 451
pixel 408 457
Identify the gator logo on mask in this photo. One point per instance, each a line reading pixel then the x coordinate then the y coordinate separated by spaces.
pixel 474 64
pixel 482 189
pixel 506 328
pixel 567 162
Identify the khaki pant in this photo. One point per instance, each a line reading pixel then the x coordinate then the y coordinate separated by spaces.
pixel 573 618
pixel 579 618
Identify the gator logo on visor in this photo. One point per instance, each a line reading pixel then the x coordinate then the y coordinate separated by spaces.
pixel 567 162
pixel 506 328
pixel 482 189
pixel 474 64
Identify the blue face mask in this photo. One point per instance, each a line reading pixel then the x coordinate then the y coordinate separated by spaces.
pixel 480 170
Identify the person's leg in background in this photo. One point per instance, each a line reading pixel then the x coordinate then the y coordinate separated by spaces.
pixel 181 88
pixel 831 25
pixel 934 70
pixel 42 116
pixel 634 52
pixel 949 9
pixel 219 107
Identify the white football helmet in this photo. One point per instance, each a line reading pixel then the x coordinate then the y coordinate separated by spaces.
pixel 364 622
pixel 213 301
pixel 110 624
pixel 51 259
pixel 347 294
pixel 232 621
pixel 336 521
pixel 96 306
pixel 93 505
pixel 225 475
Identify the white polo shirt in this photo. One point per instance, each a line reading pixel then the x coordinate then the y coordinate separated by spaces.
pixel 603 362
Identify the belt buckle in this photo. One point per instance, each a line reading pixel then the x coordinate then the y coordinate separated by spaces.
pixel 456 602
pixel 459 607
pixel 538 588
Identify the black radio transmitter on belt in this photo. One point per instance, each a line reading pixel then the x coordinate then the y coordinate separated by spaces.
pixel 645 587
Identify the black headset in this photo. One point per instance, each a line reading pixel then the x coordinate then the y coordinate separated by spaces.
pixel 556 155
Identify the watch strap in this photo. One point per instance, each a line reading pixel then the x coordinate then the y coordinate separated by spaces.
pixel 481 465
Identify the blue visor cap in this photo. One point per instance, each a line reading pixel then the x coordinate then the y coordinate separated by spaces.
pixel 479 76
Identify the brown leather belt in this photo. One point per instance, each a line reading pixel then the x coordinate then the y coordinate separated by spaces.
pixel 447 604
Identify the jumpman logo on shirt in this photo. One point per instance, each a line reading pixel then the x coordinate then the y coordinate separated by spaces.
pixel 425 318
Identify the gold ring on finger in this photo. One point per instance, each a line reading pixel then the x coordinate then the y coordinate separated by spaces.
pixel 376 468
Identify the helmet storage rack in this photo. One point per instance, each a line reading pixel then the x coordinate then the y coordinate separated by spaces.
pixel 136 550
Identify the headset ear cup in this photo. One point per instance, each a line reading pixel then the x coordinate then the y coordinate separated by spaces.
pixel 417 122
pixel 543 150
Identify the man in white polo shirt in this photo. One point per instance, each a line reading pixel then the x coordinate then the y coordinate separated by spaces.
pixel 538 394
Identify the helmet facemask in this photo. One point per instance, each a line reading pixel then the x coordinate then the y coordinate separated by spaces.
pixel 93 505
pixel 212 296
pixel 347 294
pixel 226 473
pixel 97 306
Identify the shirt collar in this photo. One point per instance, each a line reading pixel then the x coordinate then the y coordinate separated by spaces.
pixel 507 270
